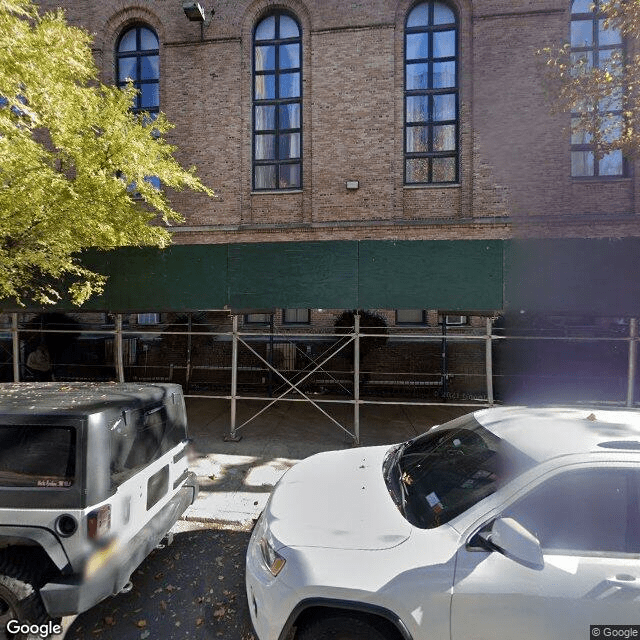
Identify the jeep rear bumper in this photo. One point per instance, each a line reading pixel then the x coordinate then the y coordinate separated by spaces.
pixel 74 594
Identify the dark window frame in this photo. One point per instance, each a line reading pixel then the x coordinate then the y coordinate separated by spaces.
pixel 431 91
pixel 139 53
pixel 595 49
pixel 422 322
pixel 261 323
pixel 276 102
pixel 299 322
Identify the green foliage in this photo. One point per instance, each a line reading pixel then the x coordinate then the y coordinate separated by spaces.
pixel 589 92
pixel 73 161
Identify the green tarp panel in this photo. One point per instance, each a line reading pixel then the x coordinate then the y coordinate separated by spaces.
pixel 431 274
pixel 293 275
pixel 575 276
pixel 181 277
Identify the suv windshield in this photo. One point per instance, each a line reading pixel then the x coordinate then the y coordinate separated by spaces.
pixel 442 473
pixel 37 456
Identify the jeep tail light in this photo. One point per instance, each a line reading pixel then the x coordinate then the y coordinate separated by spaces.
pixel 99 522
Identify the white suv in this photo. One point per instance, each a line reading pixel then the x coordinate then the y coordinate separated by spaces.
pixel 504 523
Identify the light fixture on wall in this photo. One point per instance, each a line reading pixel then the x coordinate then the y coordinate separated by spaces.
pixel 196 13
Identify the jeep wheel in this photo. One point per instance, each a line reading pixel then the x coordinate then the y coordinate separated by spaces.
pixel 340 628
pixel 19 598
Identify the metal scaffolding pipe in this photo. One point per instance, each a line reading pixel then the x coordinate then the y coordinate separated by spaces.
pixel 15 347
pixel 234 378
pixel 489 361
pixel 631 375
pixel 118 350
pixel 356 378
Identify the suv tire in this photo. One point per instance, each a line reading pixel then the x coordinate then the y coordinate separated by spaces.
pixel 340 628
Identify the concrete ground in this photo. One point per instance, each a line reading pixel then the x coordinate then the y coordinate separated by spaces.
pixel 236 478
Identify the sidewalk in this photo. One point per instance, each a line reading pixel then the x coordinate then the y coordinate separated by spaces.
pixel 236 478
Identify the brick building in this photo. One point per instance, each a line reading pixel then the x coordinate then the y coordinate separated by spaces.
pixel 370 154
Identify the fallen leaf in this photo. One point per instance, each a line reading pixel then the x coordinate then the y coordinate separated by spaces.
pixel 218 613
pixel 163 605
pixel 141 624
pixel 199 622
pixel 109 620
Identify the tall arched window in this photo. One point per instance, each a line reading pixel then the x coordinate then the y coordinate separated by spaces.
pixel 431 95
pixel 277 103
pixel 592 45
pixel 138 60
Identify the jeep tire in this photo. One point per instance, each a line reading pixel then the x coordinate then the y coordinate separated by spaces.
pixel 19 597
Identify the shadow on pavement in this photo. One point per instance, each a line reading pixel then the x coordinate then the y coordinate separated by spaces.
pixel 192 589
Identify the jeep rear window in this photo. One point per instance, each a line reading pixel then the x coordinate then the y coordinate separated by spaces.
pixel 37 456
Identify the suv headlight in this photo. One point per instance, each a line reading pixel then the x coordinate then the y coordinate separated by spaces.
pixel 274 561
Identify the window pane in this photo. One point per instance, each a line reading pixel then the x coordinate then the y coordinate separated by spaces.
pixel 289 56
pixel 582 6
pixel 578 134
pixel 612 102
pixel 444 138
pixel 442 14
pixel 611 164
pixel 608 36
pixel 149 67
pixel 581 61
pixel 611 128
pixel 444 107
pixel 417 139
pixel 444 170
pixel 444 74
pixel 418 76
pixel 265 148
pixel 581 163
pixel 581 33
pixel 266 30
pixel 288 28
pixel 409 316
pixel 150 95
pixel 265 176
pixel 290 85
pixel 417 45
pixel 299 316
pixel 265 87
pixel 611 59
pixel 289 146
pixel 419 16
pixel 290 116
pixel 128 42
pixel 265 117
pixel 289 176
pixel 148 39
pixel 418 170
pixel 576 511
pixel 126 69
pixel 417 108
pixel 265 58
pixel 444 44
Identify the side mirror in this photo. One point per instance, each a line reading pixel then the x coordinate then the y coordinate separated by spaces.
pixel 511 539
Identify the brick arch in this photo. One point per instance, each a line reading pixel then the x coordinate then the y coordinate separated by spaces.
pixel 260 8
pixel 113 27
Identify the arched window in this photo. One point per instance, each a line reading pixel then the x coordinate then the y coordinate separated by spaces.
pixel 592 45
pixel 277 103
pixel 431 95
pixel 138 60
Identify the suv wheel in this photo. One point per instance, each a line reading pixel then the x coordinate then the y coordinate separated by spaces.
pixel 340 628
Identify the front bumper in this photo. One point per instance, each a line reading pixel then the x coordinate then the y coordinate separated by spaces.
pixel 70 595
pixel 269 598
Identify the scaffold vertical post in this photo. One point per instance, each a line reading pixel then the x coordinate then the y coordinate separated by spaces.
pixel 356 378
pixel 631 376
pixel 118 350
pixel 16 347
pixel 489 361
pixel 233 436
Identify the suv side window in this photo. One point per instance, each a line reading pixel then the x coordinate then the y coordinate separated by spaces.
pixel 584 510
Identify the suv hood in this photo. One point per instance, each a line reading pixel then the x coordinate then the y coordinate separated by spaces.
pixel 337 500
